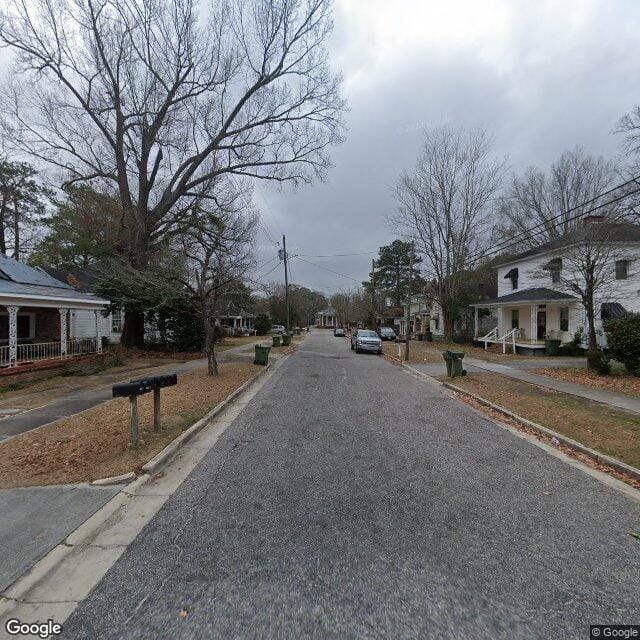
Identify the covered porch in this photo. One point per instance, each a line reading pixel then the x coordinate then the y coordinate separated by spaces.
pixel 239 322
pixel 528 318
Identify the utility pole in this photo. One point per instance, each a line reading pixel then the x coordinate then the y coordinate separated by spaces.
pixel 373 294
pixel 407 320
pixel 286 281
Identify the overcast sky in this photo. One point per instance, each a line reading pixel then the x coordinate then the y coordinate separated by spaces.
pixel 541 76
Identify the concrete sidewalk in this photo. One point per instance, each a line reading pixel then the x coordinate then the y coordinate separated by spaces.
pixel 31 419
pixel 618 400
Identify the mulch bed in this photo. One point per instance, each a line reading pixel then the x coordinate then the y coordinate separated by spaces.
pixel 96 443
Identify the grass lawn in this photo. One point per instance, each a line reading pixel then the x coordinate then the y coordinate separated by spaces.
pixel 627 384
pixel 606 429
pixel 95 443
pixel 431 352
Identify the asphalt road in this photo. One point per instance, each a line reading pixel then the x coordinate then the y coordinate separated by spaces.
pixel 350 500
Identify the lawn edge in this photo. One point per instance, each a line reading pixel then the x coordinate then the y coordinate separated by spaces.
pixel 165 455
pixel 601 458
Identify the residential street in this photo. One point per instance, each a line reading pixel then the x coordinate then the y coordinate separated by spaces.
pixel 351 500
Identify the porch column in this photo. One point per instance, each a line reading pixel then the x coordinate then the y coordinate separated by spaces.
pixel 63 331
pixel 475 322
pixel 13 335
pixel 534 323
pixel 499 322
pixel 98 336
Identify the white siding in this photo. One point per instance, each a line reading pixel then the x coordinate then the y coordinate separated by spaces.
pixel 83 325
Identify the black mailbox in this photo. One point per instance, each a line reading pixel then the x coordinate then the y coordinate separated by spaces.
pixel 133 388
pixel 169 380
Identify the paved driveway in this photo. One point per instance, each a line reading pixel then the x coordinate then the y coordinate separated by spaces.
pixel 350 500
pixel 33 520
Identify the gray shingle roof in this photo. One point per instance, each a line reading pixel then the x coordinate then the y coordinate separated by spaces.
pixel 614 232
pixel 539 294
pixel 18 279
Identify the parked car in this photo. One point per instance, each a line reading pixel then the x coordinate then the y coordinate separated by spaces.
pixel 386 333
pixel 277 329
pixel 339 332
pixel 366 340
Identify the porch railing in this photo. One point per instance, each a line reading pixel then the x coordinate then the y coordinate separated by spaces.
pixel 510 334
pixel 48 351
pixel 492 336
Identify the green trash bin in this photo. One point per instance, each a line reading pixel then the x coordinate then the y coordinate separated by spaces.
pixel 276 341
pixel 286 340
pixel 456 364
pixel 262 355
pixel 448 359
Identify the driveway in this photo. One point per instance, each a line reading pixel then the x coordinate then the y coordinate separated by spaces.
pixel 350 500
pixel 36 519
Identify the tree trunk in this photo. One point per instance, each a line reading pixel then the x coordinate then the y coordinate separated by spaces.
pixel 16 231
pixel 447 325
pixel 133 328
pixel 209 346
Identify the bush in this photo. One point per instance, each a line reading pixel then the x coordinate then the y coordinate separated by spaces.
pixel 262 324
pixel 572 348
pixel 623 338
pixel 599 362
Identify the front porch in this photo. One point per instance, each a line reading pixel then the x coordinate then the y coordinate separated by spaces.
pixel 528 319
pixel 41 334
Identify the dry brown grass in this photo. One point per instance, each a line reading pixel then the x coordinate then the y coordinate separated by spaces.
pixel 606 429
pixel 95 443
pixel 626 384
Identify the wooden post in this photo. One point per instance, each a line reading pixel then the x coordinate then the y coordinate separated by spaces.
pixel 133 406
pixel 156 409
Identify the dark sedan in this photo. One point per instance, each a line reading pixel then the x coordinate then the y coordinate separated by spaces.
pixel 386 333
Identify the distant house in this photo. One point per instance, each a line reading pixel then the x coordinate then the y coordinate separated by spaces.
pixel 533 305
pixel 85 280
pixel 327 318
pixel 36 323
pixel 236 320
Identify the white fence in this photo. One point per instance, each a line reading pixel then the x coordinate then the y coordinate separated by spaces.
pixel 48 351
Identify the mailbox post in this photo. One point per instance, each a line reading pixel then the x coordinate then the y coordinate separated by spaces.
pixel 137 388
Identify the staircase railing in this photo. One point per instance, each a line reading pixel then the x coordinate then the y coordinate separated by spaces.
pixel 510 334
pixel 492 336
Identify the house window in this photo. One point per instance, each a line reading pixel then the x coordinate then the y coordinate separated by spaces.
pixel 513 276
pixel 436 323
pixel 116 321
pixel 25 322
pixel 564 318
pixel 515 318
pixel 622 269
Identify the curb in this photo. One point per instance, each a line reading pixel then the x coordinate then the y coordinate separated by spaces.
pixel 125 478
pixel 164 456
pixel 601 458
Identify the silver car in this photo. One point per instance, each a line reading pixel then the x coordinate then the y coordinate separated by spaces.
pixel 366 340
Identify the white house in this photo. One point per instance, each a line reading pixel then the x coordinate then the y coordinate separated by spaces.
pixel 327 318
pixel 534 303
pixel 81 321
pixel 236 320
pixel 36 317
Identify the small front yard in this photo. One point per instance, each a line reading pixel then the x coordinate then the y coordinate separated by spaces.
pixel 431 352
pixel 95 443
pixel 612 431
pixel 618 383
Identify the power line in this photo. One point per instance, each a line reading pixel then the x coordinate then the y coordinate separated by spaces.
pixel 265 264
pixel 338 255
pixel 544 226
pixel 337 273
pixel 570 219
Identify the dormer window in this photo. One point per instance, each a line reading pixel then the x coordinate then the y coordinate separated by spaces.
pixel 622 269
pixel 513 276
pixel 555 269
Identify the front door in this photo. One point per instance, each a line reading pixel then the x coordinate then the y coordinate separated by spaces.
pixel 542 325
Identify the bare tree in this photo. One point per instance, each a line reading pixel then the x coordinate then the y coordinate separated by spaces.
pixel 217 246
pixel 145 98
pixel 541 206
pixel 444 203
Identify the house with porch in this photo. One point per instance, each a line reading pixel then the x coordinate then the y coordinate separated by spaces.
pixel 534 304
pixel 236 320
pixel 35 317
pixel 327 318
